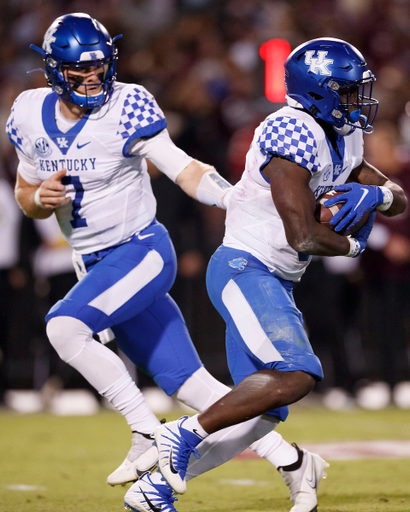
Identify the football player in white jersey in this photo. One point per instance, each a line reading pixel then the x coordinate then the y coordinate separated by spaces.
pixel 82 147
pixel 311 146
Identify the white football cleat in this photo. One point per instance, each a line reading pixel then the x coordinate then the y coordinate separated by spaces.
pixel 174 452
pixel 150 494
pixel 142 457
pixel 303 478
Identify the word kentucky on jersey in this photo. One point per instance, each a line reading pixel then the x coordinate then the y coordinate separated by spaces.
pixel 109 187
pixel 71 164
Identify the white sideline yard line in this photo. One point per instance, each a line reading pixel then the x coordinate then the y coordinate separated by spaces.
pixel 352 450
pixel 244 482
pixel 24 487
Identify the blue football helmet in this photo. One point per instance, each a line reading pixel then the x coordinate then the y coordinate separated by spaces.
pixel 329 77
pixel 78 41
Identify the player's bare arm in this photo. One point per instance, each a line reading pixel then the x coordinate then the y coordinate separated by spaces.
pixel 202 182
pixel 50 195
pixel 190 177
pixel 367 174
pixel 366 191
pixel 296 205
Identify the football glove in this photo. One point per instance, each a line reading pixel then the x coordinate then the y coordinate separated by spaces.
pixel 359 241
pixel 358 200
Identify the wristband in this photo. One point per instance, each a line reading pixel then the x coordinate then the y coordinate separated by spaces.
pixel 37 199
pixel 212 188
pixel 387 199
pixel 355 248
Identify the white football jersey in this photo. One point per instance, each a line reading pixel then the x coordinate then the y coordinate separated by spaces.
pixel 104 154
pixel 253 223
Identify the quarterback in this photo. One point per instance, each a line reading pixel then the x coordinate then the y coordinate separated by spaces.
pixel 305 149
pixel 82 147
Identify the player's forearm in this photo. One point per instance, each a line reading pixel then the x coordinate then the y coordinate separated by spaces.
pixel 399 203
pixel 189 178
pixel 318 241
pixel 25 197
pixel 203 183
pixel 367 174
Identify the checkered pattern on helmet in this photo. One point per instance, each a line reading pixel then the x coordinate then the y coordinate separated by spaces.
pixel 290 138
pixel 139 111
pixel 13 132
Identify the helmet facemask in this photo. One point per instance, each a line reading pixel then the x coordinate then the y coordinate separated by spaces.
pixel 67 79
pixel 357 107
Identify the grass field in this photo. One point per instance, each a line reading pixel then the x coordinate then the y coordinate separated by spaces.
pixel 59 464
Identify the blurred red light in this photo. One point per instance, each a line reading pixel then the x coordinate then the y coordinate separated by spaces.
pixel 275 52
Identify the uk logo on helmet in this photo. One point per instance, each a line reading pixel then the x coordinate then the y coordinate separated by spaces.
pixel 86 56
pixel 48 39
pixel 319 64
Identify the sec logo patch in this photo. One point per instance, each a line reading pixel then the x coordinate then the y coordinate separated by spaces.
pixel 43 147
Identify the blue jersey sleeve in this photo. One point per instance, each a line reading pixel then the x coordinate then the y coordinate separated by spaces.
pixel 140 117
pixel 290 138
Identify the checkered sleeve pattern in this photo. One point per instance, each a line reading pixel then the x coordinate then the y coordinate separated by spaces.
pixel 13 132
pixel 140 116
pixel 290 138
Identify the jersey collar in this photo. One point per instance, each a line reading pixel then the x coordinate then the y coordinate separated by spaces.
pixel 62 140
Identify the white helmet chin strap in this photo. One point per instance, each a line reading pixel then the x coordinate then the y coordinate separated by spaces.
pixel 293 103
pixel 344 130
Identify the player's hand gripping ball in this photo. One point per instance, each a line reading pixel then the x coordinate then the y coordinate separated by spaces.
pixel 323 214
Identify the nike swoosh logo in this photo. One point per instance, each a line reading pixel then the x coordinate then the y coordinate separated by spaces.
pixel 365 192
pixel 312 480
pixel 141 237
pixel 79 146
pixel 171 466
pixel 194 430
pixel 150 504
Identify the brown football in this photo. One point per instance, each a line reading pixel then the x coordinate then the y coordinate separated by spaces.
pixel 324 214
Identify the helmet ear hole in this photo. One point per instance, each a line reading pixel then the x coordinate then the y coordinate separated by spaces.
pixel 315 95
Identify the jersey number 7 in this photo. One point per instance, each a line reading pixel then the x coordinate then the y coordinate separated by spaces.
pixel 77 222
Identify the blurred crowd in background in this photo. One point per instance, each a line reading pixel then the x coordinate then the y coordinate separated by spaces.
pixel 201 61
